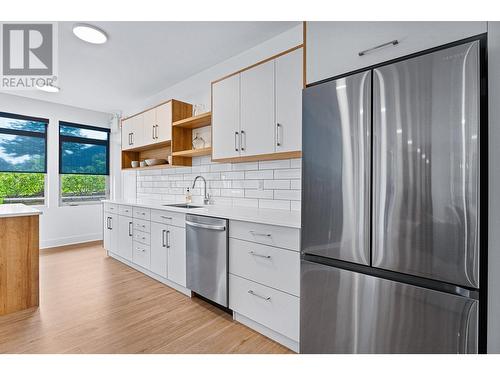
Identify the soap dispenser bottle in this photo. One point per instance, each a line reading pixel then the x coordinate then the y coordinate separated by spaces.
pixel 189 196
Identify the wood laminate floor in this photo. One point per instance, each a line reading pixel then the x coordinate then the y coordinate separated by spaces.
pixel 90 303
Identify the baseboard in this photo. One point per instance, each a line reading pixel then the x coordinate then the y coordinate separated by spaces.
pixel 74 246
pixel 167 282
pixel 56 242
pixel 268 332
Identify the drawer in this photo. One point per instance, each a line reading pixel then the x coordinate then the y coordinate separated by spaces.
pixel 142 213
pixel 274 309
pixel 110 207
pixel 272 235
pixel 142 237
pixel 141 255
pixel 177 219
pixel 142 225
pixel 271 266
pixel 125 210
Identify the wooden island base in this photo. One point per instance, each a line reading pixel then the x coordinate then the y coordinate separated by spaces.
pixel 19 254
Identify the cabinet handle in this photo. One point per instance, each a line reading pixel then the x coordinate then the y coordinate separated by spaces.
pixel 129 139
pixel 168 239
pixel 260 234
pixel 130 229
pixel 259 296
pixel 107 223
pixel 243 140
pixel 166 217
pixel 391 43
pixel 259 255
pixel 163 238
pixel 278 141
pixel 236 141
pixel 157 131
pixel 110 223
pixel 154 126
pixel 132 137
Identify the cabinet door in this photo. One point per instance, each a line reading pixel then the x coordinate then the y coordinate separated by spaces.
pixel 226 118
pixel 127 133
pixel 164 122
pixel 149 126
pixel 125 237
pixel 257 110
pixel 159 237
pixel 289 84
pixel 176 247
pixel 333 47
pixel 111 232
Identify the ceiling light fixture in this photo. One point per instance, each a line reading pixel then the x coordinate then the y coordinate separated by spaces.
pixel 89 33
pixel 48 88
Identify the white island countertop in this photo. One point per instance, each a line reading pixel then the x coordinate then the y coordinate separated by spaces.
pixel 17 209
pixel 282 218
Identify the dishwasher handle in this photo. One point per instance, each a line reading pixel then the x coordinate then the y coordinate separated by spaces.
pixel 206 226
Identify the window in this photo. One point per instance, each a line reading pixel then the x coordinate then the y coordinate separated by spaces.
pixel 23 158
pixel 83 163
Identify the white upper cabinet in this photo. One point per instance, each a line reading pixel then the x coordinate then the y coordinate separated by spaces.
pixel 164 122
pixel 289 84
pixel 334 48
pixel 133 132
pixel 258 112
pixel 150 126
pixel 226 118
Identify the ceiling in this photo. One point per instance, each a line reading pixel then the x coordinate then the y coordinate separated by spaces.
pixel 141 59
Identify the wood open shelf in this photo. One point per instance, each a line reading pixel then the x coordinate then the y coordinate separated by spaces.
pixel 199 121
pixel 192 153
pixel 162 166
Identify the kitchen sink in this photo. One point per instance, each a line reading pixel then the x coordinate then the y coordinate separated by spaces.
pixel 182 205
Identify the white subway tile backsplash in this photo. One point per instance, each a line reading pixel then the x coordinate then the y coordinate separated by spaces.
pixel 274 164
pixel 291 195
pixel 259 175
pixel 287 173
pixel 272 184
pixel 276 184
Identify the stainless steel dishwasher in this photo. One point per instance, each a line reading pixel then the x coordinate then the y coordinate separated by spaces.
pixel 207 257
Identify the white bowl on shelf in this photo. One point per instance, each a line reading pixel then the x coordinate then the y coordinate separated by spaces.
pixel 151 162
pixel 134 163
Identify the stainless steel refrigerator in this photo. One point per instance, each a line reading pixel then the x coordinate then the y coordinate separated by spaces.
pixel 390 208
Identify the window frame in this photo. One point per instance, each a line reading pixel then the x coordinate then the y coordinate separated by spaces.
pixel 89 141
pixel 76 139
pixel 27 133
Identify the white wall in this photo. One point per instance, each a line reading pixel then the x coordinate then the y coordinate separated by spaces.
pixel 494 188
pixel 66 224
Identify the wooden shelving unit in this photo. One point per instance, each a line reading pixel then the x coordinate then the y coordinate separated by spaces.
pixel 199 121
pixel 182 138
pixel 192 153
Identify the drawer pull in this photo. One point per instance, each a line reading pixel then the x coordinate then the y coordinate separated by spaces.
pixel 392 42
pixel 143 213
pixel 166 217
pixel 259 296
pixel 259 255
pixel 139 249
pixel 260 234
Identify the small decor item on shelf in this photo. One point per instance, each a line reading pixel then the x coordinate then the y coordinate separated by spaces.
pixel 143 164
pixel 198 109
pixel 169 159
pixel 134 163
pixel 198 142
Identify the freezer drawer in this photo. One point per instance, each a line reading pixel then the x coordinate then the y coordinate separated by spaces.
pixel 426 166
pixel 347 312
pixel 336 169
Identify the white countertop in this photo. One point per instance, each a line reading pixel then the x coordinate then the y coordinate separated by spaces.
pixel 17 209
pixel 255 215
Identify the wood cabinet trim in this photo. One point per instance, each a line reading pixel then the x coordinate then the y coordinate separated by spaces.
pixel 263 157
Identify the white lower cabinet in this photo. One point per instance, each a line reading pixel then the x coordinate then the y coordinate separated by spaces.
pixel 141 255
pixel 125 237
pixel 159 239
pixel 267 306
pixel 176 255
pixel 110 232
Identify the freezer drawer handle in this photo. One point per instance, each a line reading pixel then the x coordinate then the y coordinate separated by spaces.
pixel 259 255
pixel 391 43
pixel 206 226
pixel 259 296
pixel 260 234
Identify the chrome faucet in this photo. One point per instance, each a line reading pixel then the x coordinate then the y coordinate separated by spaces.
pixel 206 199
